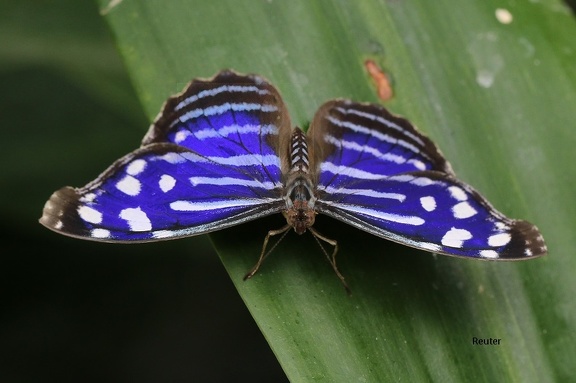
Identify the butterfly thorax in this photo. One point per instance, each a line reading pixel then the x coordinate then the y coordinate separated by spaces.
pixel 299 188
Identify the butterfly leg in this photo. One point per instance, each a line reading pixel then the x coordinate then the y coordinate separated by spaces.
pixel 331 258
pixel 283 230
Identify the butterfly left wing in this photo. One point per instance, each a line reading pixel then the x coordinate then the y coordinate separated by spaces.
pixel 376 172
pixel 209 161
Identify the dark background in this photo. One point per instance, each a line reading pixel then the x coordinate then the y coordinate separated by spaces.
pixel 80 311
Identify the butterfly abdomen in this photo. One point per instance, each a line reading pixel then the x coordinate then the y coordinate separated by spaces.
pixel 299 159
pixel 299 191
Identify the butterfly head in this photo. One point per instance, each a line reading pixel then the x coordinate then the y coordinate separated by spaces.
pixel 300 216
pixel 300 200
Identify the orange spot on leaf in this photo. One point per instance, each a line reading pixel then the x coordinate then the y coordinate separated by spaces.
pixel 383 87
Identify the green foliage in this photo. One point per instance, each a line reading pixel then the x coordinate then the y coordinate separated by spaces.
pixel 498 99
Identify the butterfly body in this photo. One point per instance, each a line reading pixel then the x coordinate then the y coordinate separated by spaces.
pixel 223 152
pixel 299 190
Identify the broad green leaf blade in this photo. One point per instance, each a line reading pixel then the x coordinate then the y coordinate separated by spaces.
pixel 497 96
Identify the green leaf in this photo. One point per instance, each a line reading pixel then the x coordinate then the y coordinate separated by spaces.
pixel 497 96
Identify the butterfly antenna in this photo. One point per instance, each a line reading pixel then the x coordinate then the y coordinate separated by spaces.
pixel 331 258
pixel 264 254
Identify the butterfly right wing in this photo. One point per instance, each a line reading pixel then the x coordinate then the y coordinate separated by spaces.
pixel 209 161
pixel 376 172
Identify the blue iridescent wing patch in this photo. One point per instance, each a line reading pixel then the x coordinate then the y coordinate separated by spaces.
pixel 209 161
pixel 376 172
pixel 223 152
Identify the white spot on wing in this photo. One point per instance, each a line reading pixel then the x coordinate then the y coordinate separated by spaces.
pixel 136 218
pixel 422 181
pixel 457 193
pixel 181 135
pixel 136 167
pixel 89 214
pixel 89 197
pixel 489 254
pixel 166 183
pixel 428 203
pixel 100 233
pixel 417 164
pixel 129 185
pixel 497 240
pixel 175 158
pixel 463 210
pixel 455 237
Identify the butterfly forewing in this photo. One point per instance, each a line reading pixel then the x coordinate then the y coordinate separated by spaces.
pixel 378 173
pixel 210 160
pixel 352 139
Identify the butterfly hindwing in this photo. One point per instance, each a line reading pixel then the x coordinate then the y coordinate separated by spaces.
pixel 390 180
pixel 209 161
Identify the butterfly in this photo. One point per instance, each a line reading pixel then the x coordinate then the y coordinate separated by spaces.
pixel 224 152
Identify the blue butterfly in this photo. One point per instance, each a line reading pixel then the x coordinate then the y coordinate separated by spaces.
pixel 223 152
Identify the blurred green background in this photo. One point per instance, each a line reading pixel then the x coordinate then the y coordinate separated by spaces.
pixel 78 311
